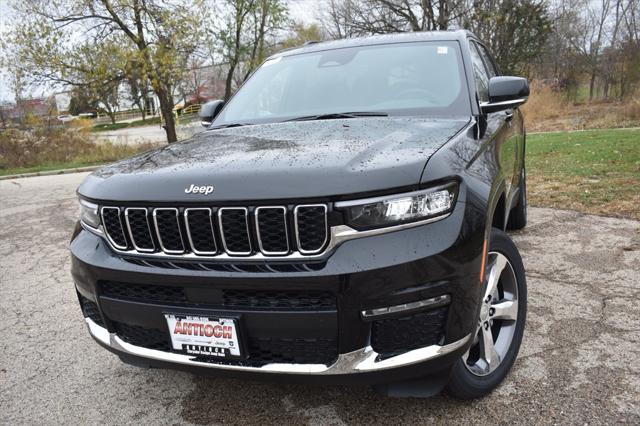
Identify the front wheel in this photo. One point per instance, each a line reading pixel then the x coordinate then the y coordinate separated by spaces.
pixel 500 326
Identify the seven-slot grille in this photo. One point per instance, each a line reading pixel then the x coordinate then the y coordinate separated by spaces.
pixel 211 232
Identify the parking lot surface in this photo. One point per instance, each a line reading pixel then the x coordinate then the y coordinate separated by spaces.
pixel 579 363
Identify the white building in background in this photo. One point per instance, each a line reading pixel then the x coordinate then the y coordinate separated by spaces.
pixel 63 99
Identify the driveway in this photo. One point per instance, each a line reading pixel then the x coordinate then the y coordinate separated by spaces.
pixel 146 134
pixel 580 360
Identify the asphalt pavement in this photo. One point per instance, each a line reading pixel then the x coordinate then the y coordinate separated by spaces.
pixel 579 363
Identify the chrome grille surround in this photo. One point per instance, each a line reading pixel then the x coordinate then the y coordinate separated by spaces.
pixel 163 244
pixel 128 212
pixel 206 233
pixel 211 226
pixel 221 212
pixel 259 235
pixel 296 212
pixel 119 229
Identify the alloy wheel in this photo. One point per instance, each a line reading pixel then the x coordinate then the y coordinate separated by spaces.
pixel 498 317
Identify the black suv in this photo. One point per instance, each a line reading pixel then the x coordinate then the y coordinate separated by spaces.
pixel 341 220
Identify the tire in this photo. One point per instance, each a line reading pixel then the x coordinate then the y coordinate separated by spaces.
pixel 472 376
pixel 518 215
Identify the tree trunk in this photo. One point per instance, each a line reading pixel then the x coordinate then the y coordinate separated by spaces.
pixel 166 109
pixel 112 116
pixel 592 83
pixel 228 82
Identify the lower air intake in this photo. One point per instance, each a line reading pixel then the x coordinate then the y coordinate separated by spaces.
pixel 394 336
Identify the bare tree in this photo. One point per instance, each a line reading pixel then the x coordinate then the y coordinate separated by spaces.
pixel 346 18
pixel 244 33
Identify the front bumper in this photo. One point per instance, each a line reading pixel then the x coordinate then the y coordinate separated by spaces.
pixel 364 360
pixel 362 274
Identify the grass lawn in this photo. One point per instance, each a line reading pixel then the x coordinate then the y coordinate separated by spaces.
pixel 592 171
pixel 47 167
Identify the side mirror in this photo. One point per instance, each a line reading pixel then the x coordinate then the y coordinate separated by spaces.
pixel 505 93
pixel 209 111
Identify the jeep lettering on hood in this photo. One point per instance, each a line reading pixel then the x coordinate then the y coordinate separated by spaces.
pixel 193 189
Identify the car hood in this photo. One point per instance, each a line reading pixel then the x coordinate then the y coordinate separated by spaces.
pixel 306 159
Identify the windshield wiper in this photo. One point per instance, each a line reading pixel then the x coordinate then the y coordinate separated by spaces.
pixel 338 115
pixel 226 126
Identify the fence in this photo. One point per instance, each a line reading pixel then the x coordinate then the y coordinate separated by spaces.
pixel 130 115
pixel 186 114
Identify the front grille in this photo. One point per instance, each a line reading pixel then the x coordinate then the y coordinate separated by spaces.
pixel 234 227
pixel 112 223
pixel 393 336
pixel 289 300
pixel 227 267
pixel 139 229
pixel 210 232
pixel 90 310
pixel 149 338
pixel 227 298
pixel 310 222
pixel 270 222
pixel 297 351
pixel 261 350
pixel 168 226
pixel 141 292
pixel 200 230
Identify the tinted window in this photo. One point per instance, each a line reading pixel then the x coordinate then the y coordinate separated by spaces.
pixel 422 78
pixel 480 73
pixel 491 69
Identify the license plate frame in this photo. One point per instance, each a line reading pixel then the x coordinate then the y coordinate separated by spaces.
pixel 211 336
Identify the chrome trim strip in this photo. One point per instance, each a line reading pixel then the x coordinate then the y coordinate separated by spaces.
pixel 221 227
pixel 511 102
pixel 351 203
pixel 338 235
pixel 359 361
pixel 155 221
pixel 295 224
pixel 213 234
pixel 133 241
pixel 286 232
pixel 113 243
pixel 369 314
pixel 99 231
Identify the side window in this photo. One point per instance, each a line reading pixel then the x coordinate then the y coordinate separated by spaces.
pixel 491 68
pixel 480 73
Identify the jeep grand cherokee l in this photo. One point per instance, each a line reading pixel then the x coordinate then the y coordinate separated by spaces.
pixel 341 220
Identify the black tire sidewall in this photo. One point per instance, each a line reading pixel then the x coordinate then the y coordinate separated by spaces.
pixel 464 384
pixel 518 215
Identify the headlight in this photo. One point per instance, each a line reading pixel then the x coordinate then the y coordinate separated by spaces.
pixel 89 214
pixel 401 208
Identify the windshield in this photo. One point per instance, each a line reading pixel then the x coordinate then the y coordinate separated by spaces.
pixel 422 78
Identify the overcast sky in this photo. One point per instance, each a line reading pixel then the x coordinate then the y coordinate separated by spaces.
pixel 4 84
pixel 304 10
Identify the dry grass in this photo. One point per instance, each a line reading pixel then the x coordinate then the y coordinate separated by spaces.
pixel 44 148
pixel 548 110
